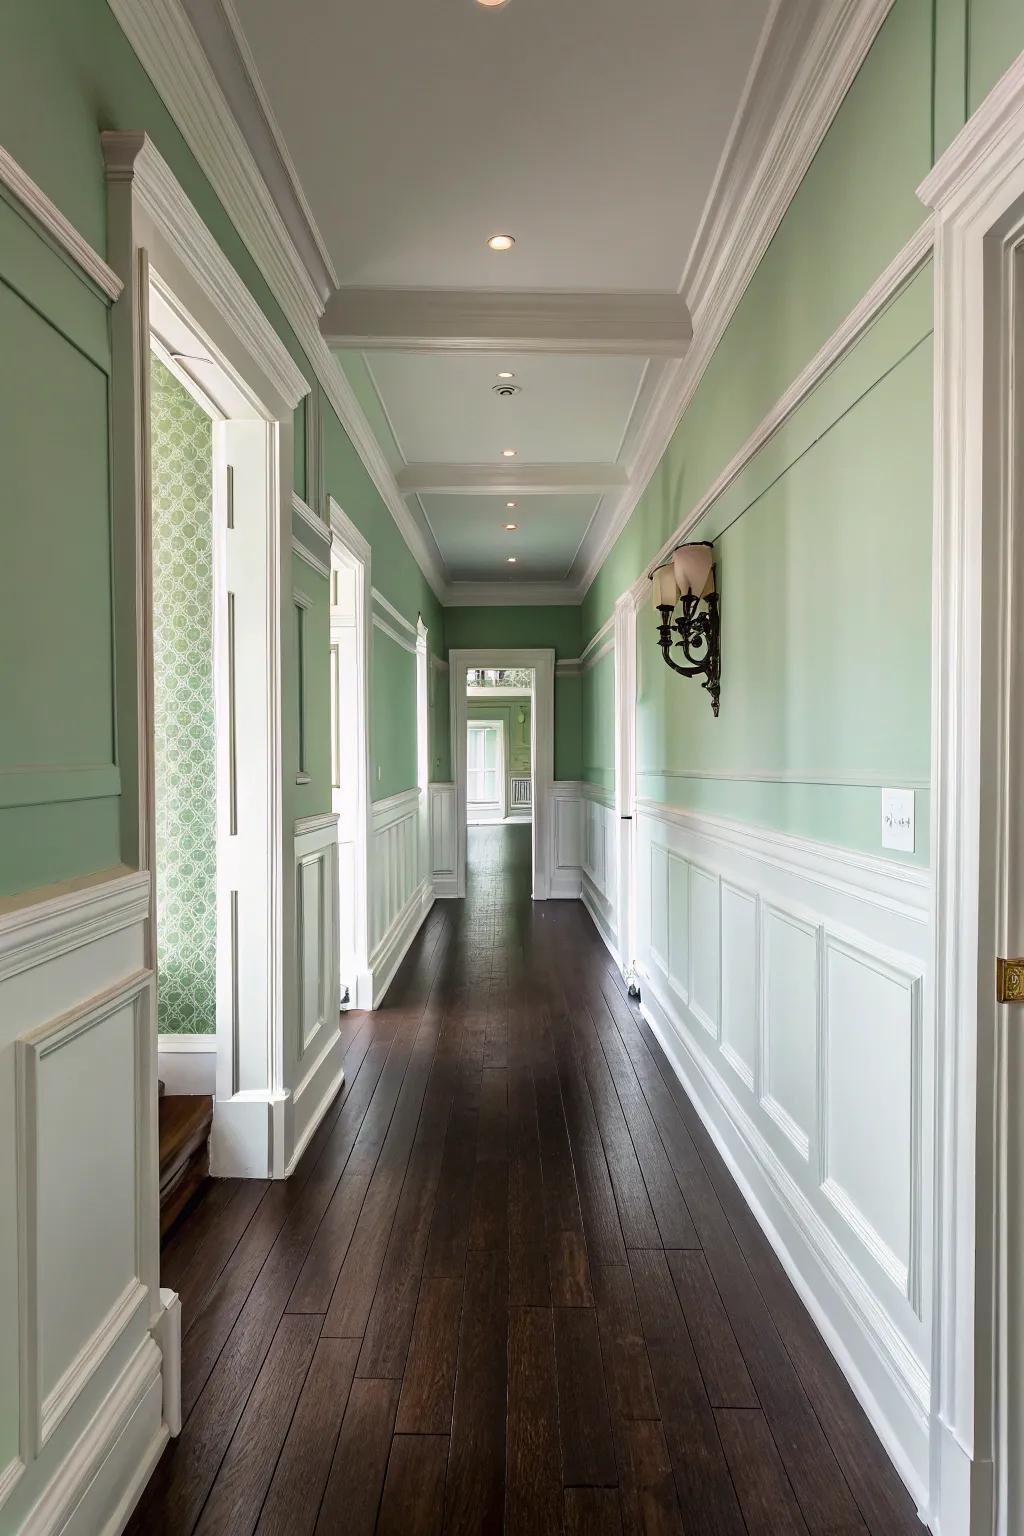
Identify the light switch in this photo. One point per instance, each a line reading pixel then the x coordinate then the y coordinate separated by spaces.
pixel 898 819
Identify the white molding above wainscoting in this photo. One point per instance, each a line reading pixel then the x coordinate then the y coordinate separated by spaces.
pixel 389 608
pixel 72 916
pixel 569 666
pixel 60 229
pixel 788 981
pixel 315 547
pixel 396 635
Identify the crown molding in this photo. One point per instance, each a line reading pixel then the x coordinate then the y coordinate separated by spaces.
pixel 806 63
pixel 485 320
pixel 166 44
pixel 48 216
pixel 134 158
pixel 520 479
pixel 994 130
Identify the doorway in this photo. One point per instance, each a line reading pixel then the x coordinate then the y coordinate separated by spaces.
pixel 349 682
pixel 502 706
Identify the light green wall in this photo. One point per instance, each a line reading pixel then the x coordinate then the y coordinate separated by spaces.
pixel 66 73
pixel 185 744
pixel 823 542
pixel 597 723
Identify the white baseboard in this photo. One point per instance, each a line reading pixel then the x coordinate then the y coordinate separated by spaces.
pixel 565 885
pixel 392 949
pixel 247 1139
pixel 446 887
pixel 100 1481
pixel 601 912
pixel 187 1063
pixel 840 1304
pixel 314 1096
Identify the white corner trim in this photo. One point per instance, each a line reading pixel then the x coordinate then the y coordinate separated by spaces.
pixel 394 634
pixel 379 598
pixel 806 75
pixel 60 229
pixel 304 512
pixel 569 666
pixel 41 931
pixel 133 157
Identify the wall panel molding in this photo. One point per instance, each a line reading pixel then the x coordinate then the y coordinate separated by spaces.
pixel 31 197
pixel 400 894
pixel 42 931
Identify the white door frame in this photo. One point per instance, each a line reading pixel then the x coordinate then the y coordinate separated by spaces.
pixel 351 547
pixel 977 192
pixel 625 778
pixel 152 224
pixel 542 753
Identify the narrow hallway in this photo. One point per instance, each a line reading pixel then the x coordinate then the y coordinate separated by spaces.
pixel 511 1285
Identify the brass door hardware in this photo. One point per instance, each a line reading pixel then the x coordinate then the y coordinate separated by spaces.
pixel 1010 980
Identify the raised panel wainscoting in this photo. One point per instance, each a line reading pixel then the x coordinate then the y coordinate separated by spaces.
pixel 400 895
pixel 88 1358
pixel 567 839
pixel 599 878
pixel 444 847
pixel 788 984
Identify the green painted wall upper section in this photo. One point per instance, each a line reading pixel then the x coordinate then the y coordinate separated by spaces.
pixel 555 627
pixel 184 721
pixel 597 722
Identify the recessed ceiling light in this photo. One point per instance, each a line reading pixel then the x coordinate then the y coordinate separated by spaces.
pixel 492 5
pixel 511 559
pixel 508 453
pixel 501 242
pixel 506 374
pixel 511 527
pixel 510 505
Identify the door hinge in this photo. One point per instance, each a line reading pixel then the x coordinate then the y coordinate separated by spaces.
pixel 1010 980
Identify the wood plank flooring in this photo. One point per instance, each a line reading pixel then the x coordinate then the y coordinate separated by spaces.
pixel 510 1286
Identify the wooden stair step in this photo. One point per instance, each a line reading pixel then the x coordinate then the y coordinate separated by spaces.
pixel 185 1121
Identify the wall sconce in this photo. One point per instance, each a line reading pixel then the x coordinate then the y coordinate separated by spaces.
pixel 689 578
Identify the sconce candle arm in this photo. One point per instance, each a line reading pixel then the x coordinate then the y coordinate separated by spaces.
pixel 698 631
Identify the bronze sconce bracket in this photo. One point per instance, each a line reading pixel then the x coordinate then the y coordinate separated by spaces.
pixel 698 631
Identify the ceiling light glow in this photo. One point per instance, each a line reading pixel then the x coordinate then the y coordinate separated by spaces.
pixel 511 559
pixel 510 505
pixel 506 374
pixel 508 453
pixel 501 242
pixel 492 5
pixel 511 527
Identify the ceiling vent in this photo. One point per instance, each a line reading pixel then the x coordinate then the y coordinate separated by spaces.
pixel 506 389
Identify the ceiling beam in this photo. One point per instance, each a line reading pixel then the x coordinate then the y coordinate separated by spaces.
pixel 510 480
pixel 480 320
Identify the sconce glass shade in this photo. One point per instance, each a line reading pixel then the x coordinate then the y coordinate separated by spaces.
pixel 666 592
pixel 692 564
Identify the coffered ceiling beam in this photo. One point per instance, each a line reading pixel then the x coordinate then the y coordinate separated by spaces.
pixel 478 320
pixel 511 480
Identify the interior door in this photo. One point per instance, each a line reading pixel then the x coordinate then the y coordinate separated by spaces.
pixel 346 746
pixel 485 771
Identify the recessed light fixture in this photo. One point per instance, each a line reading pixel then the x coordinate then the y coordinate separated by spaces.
pixel 510 505
pixel 501 242
pixel 506 374
pixel 511 559
pixel 511 527
pixel 508 453
pixel 492 5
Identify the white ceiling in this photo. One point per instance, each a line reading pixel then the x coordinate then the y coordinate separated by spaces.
pixel 592 132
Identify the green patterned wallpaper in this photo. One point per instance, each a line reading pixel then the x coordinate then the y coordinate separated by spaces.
pixel 186 763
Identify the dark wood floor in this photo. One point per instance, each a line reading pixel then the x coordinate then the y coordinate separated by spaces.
pixel 510 1286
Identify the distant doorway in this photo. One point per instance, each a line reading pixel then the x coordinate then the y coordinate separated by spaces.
pixel 485 771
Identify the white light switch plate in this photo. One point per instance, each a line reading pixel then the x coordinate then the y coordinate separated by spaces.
pixel 898 819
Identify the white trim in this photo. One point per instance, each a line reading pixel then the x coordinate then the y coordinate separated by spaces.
pixel 394 946
pixel 542 715
pixel 79 914
pixel 851 780
pixel 606 634
pixel 133 157
pixel 510 479
pixel 806 69
pixel 393 807
pixel 977 191
pixel 187 1064
pixel 321 822
pixel 517 320
pixel 167 47
pixel 903 268
pixel 304 553
pixel 378 597
pixel 896 887
pixel 393 634
pixel 60 229
pixel 237 71
pixel 346 532
pixel 192 386
pixel 304 512
pixel 569 666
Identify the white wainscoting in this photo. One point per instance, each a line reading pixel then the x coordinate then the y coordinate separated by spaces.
pixel 599 882
pixel 444 845
pixel 83 1380
pixel 567 839
pixel 187 1063
pixel 400 895
pixel 788 982
pixel 313 1045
